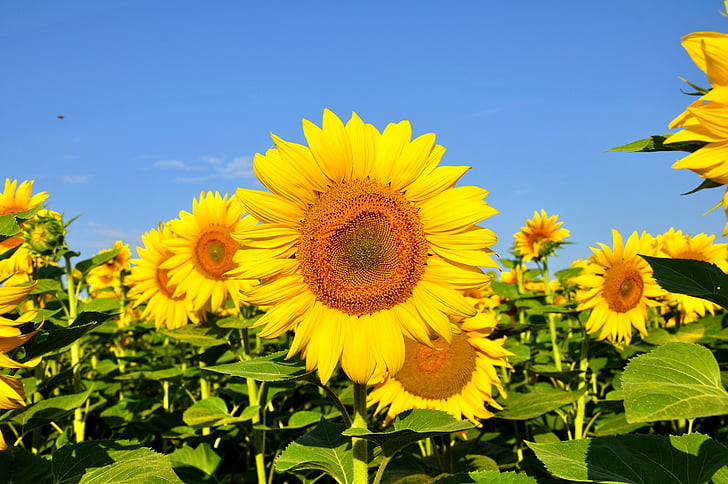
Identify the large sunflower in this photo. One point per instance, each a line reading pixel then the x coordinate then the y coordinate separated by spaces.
pixel 150 284
pixel 617 285
pixel 12 394
pixel 456 377
pixel 677 245
pixel 541 235
pixel 364 240
pixel 203 251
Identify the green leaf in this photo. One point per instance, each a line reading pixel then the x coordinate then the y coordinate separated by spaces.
pixel 18 466
pixel 50 286
pixel 704 185
pixel 635 458
pixel 213 412
pixel 409 427
pixel 657 143
pixel 86 265
pixel 322 449
pixel 487 477
pixel 10 223
pixel 197 464
pixel 692 277
pixel 46 411
pixel 674 381
pixel 102 305
pixel 273 367
pixel 57 338
pixel 196 335
pixel 525 406
pixel 105 461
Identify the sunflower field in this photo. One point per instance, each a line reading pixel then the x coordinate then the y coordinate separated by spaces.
pixel 352 324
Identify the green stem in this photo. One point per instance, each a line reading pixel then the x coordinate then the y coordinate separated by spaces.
pixel 359 446
pixel 581 403
pixel 552 321
pixel 79 425
pixel 380 470
pixel 254 399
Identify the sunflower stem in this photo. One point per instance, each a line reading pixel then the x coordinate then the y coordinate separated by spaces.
pixel 254 399
pixel 79 425
pixel 552 321
pixel 359 446
pixel 581 402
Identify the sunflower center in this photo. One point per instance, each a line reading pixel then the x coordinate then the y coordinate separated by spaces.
pixel 623 286
pixel 214 254
pixel 362 247
pixel 163 282
pixel 440 373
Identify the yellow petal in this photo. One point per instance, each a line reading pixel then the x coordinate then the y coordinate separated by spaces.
pixel 268 207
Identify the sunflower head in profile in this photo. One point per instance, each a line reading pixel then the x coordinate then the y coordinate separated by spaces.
pixel 676 245
pixel 12 394
pixel 617 285
pixel 540 237
pixel 456 377
pixel 364 240
pixel 150 284
pixel 203 252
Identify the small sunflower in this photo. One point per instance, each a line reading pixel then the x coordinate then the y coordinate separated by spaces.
pixel 18 198
pixel 12 394
pixel 364 240
pixel 677 245
pixel 203 252
pixel 456 377
pixel 106 279
pixel 540 237
pixel 150 284
pixel 617 284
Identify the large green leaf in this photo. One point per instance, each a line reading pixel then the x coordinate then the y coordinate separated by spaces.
pixel 57 338
pixel 524 406
pixel 105 461
pixel 213 412
pixel 674 381
pixel 487 478
pixel 18 466
pixel 273 367
pixel 692 277
pixel 198 464
pixel 46 411
pixel 635 458
pixel 322 449
pixel 411 426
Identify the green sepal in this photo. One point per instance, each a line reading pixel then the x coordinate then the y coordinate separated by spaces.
pixel 656 142
pixel 704 185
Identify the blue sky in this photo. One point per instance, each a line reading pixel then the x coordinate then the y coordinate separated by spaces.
pixel 162 100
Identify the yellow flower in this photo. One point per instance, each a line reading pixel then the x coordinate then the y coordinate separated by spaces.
pixel 364 240
pixel 677 245
pixel 150 284
pixel 12 394
pixel 540 237
pixel 203 252
pixel 18 198
pixel 456 377
pixel 617 284
pixel 105 280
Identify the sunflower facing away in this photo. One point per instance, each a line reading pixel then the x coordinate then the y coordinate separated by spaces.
pixel 456 377
pixel 540 237
pixel 677 245
pixel 617 284
pixel 203 251
pixel 12 394
pixel 150 284
pixel 364 240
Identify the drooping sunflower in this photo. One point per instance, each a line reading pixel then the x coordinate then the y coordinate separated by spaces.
pixel 617 287
pixel 12 394
pixel 540 237
pixel 675 244
pixel 203 252
pixel 456 377
pixel 364 240
pixel 150 284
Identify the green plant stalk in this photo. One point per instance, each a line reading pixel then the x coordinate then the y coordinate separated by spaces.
pixel 359 445
pixel 204 389
pixel 79 424
pixel 581 402
pixel 552 321
pixel 254 399
pixel 382 467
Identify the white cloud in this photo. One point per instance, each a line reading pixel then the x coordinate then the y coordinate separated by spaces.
pixel 76 178
pixel 213 166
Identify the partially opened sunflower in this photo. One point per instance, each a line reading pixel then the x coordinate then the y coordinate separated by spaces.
pixel 364 240
pixel 540 237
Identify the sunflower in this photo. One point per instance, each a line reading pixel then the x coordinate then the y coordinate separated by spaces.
pixel 617 284
pixel 18 198
pixel 150 284
pixel 456 377
pixel 106 279
pixel 203 252
pixel 12 394
pixel 540 237
pixel 677 245
pixel 364 240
